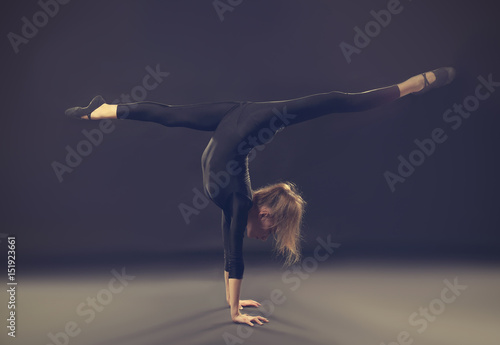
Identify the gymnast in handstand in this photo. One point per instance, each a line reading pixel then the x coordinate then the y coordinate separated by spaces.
pixel 238 127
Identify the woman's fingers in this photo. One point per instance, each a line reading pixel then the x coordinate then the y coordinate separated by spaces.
pixel 249 319
pixel 249 303
pixel 259 318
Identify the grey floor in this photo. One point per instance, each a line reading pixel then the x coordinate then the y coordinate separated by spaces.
pixel 335 303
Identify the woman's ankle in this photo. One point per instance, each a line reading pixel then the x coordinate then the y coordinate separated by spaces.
pixel 105 111
pixel 415 83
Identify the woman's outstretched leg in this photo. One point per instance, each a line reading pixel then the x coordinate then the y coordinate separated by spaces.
pixel 202 116
pixel 313 106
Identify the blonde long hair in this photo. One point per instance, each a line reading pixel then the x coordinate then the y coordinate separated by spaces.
pixel 287 209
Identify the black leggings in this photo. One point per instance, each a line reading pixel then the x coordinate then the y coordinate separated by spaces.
pixel 207 116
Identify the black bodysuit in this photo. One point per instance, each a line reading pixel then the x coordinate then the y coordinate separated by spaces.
pixel 239 127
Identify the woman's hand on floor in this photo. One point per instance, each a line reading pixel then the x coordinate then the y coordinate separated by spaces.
pixel 246 303
pixel 249 303
pixel 248 319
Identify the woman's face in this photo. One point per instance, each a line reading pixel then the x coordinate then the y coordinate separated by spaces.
pixel 260 223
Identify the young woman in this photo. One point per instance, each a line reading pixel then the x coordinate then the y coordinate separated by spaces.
pixel 237 128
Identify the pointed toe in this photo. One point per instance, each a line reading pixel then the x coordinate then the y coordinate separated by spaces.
pixel 80 112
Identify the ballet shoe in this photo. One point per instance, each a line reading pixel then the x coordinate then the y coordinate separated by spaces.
pixel 444 76
pixel 80 112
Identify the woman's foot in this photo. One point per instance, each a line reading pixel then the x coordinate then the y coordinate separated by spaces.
pixel 97 109
pixel 441 77
pixel 424 82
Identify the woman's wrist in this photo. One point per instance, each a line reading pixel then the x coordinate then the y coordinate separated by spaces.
pixel 235 311
pixel 235 314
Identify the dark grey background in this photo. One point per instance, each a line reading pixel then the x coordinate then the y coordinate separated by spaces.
pixel 121 203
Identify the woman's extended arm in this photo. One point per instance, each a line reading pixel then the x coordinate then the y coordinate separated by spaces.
pixel 233 227
pixel 234 297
